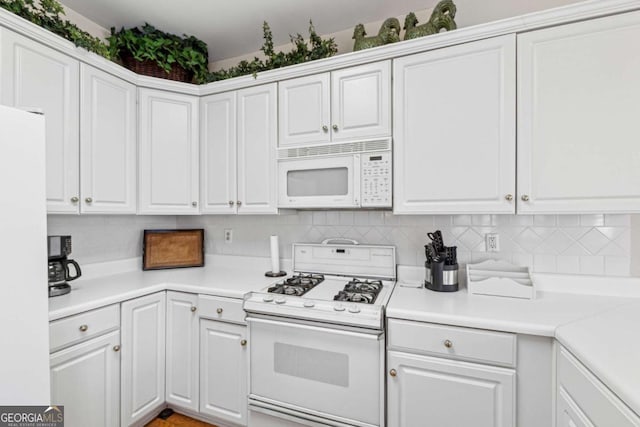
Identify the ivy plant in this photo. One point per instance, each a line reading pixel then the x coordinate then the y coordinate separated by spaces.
pixel 149 43
pixel 49 15
pixel 303 51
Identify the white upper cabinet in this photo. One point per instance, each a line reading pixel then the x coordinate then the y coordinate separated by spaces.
pixel 349 104
pixel 238 153
pixel 168 163
pixel 107 143
pixel 578 110
pixel 35 76
pixel 304 110
pixel 218 153
pixel 454 129
pixel 361 102
pixel 257 136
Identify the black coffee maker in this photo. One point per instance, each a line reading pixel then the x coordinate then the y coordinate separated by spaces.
pixel 59 248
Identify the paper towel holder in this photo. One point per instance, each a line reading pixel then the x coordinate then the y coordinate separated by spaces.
pixel 275 274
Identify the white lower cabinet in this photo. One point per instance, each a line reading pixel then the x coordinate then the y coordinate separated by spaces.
pixel 223 371
pixel 448 393
pixel 182 350
pixel 143 357
pixel 584 401
pixel 85 378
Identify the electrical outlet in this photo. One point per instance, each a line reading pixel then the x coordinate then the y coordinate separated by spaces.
pixel 228 235
pixel 492 242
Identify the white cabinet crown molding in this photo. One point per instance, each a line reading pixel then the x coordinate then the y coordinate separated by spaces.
pixel 546 18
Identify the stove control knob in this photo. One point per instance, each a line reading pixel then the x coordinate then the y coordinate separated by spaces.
pixel 354 309
pixel 280 300
pixel 309 304
pixel 267 298
pixel 338 307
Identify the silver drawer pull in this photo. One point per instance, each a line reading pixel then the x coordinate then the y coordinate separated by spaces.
pixel 243 342
pixel 219 311
pixel 448 344
pixel 193 309
pixel 83 328
pixel 116 348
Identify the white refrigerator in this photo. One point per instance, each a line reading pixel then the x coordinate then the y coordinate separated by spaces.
pixel 24 327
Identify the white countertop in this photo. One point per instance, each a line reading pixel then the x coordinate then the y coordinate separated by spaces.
pixel 609 345
pixel 231 277
pixel 541 316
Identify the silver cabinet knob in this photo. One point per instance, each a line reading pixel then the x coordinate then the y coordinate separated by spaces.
pixel 75 199
pixel 83 328
pixel 193 309
pixel 335 127
pixel 509 197
pixel 88 200
pixel 239 203
pixel 325 128
pixel 448 344
pixel 219 311
pixel 243 343
pixel 116 348
pixel 231 203
pixel 525 198
pixel 393 372
pixel 194 204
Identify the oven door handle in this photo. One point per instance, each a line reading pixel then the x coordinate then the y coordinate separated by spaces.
pixel 365 334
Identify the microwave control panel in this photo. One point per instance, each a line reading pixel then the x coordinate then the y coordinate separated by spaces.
pixel 376 179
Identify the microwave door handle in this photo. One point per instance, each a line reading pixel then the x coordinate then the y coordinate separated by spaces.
pixel 339 240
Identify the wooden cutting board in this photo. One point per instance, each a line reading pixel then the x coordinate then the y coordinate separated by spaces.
pixel 172 249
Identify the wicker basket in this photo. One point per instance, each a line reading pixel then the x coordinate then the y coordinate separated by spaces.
pixel 151 69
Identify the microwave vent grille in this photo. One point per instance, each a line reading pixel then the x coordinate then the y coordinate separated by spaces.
pixel 332 149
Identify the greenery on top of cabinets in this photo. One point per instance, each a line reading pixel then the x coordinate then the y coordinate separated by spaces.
pixel 303 51
pixel 165 49
pixel 48 14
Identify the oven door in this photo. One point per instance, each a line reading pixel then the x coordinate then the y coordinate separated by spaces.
pixel 323 182
pixel 317 372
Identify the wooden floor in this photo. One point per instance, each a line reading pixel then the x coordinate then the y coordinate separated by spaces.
pixel 178 420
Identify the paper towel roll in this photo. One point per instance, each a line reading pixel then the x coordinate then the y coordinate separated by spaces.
pixel 275 255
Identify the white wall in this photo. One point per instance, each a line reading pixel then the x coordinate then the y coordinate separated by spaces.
pixel 635 245
pixel 100 238
pixel 574 244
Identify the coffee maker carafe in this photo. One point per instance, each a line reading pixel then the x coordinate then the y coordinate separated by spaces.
pixel 59 247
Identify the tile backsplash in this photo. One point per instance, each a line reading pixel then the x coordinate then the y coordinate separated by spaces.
pixel 573 244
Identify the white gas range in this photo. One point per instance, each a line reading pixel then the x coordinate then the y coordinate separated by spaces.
pixel 317 339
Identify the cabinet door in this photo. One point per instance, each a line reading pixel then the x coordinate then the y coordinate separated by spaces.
pixel 143 357
pixel 568 413
pixel 448 393
pixel 107 143
pixel 182 350
pixel 578 109
pixel 35 76
pixel 304 110
pixel 454 129
pixel 218 153
pixel 85 379
pixel 257 133
pixel 169 181
pixel 223 371
pixel 361 102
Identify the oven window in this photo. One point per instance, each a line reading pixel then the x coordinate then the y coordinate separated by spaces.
pixel 318 182
pixel 311 364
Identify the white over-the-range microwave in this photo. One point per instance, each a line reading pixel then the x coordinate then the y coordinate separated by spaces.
pixel 344 175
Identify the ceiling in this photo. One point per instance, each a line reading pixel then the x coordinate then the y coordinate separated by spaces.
pixel 234 28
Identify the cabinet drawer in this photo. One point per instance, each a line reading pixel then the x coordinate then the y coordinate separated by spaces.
pixel 81 327
pixel 476 345
pixel 590 395
pixel 220 308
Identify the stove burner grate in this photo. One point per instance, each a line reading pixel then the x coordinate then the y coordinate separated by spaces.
pixel 360 291
pixel 297 285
